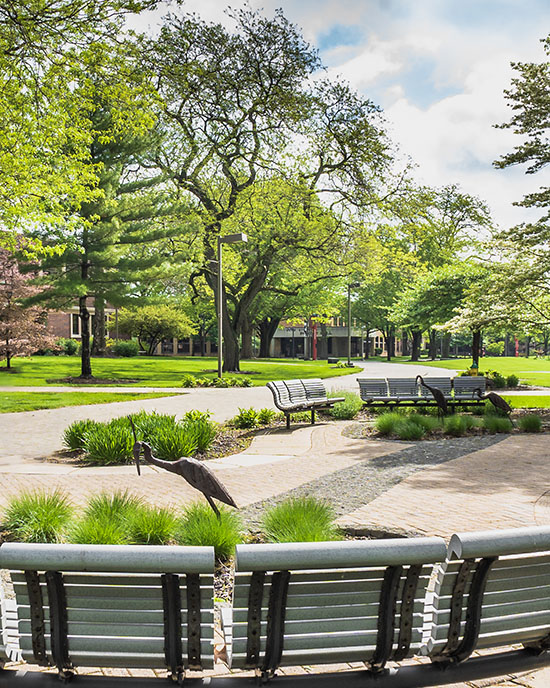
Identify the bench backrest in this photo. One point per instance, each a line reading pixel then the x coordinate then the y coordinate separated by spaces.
pixel 281 395
pixel 315 390
pixel 319 603
pixel 402 387
pixel 370 388
pixel 442 383
pixel 115 606
pixel 465 386
pixel 296 391
pixel 494 591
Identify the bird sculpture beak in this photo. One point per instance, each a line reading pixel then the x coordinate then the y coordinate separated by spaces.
pixel 137 451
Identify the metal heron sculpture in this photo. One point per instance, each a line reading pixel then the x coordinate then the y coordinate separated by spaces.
pixel 437 394
pixel 195 472
pixel 495 399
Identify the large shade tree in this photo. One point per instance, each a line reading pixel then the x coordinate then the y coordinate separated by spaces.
pixel 238 107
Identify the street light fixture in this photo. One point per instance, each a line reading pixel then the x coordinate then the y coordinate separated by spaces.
pixel 351 286
pixel 227 239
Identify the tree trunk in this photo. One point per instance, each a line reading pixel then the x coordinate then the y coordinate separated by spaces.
pixel 416 341
pixel 85 360
pixel 476 346
pixel 367 343
pixel 433 345
pixel 507 345
pixel 8 356
pixel 446 346
pixel 392 340
pixel 404 343
pixel 246 338
pixel 527 346
pixel 99 346
pixel 267 328
pixel 545 344
pixel 322 343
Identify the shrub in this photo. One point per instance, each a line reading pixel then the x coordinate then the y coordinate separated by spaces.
pixel 386 422
pixel 265 416
pixel 149 525
pixel 68 346
pixel 199 525
pixel 497 424
pixel 127 348
pixel 173 443
pixel 246 418
pixel 109 443
pixel 74 435
pixel 407 429
pixel 512 381
pixel 530 422
pixel 220 382
pixel 300 519
pixel 38 516
pixel 494 348
pixel 189 380
pixel 347 409
pixel 201 431
pixel 246 382
pixel 499 380
pixel 458 425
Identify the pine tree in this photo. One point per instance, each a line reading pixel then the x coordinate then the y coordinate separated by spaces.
pixel 99 262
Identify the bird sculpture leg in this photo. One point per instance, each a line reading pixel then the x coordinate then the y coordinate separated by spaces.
pixel 214 507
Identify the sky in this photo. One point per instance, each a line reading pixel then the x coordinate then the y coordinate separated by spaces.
pixel 438 69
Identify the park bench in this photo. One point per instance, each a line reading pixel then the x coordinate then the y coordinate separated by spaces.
pixel 407 392
pixel 110 606
pixel 295 396
pixel 378 603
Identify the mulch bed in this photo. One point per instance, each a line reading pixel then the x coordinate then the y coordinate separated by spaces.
pixel 94 381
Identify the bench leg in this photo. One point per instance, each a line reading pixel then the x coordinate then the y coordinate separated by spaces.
pixel 313 416
pixel 287 421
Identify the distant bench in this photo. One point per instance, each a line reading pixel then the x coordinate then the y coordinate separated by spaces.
pixel 460 390
pixel 295 396
pixel 315 603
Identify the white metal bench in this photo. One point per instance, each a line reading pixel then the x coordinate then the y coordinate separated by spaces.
pixel 111 606
pixel 377 602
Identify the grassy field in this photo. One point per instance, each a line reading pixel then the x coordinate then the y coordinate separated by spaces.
pixel 31 401
pixel 156 371
pixel 531 371
pixel 526 401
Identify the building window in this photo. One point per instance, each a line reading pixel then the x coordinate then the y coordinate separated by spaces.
pixel 167 346
pixel 183 346
pixel 75 325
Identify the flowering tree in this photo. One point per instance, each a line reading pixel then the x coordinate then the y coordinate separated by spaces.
pixel 22 328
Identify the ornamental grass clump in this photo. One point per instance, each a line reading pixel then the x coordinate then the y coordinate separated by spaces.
pixel 530 422
pixel 199 525
pixel 347 409
pixel 108 443
pixel 74 437
pixel 112 506
pixel 149 425
pixel 428 422
pixel 408 429
pixel 150 525
pixel 38 516
pixel 99 531
pixel 458 425
pixel 300 519
pixel 173 443
pixel 495 424
pixel 199 429
pixel 105 517
pixel 386 422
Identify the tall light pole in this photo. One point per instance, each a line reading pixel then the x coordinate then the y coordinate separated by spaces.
pixel 227 239
pixel 351 286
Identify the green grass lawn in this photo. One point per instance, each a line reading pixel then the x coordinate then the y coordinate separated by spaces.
pixel 527 401
pixel 531 371
pixel 157 371
pixel 31 401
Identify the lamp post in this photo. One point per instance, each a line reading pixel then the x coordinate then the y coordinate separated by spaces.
pixel 227 239
pixel 351 286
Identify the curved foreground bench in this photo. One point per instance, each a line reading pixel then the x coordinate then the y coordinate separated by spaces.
pixel 295 396
pixel 378 602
